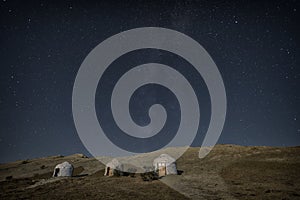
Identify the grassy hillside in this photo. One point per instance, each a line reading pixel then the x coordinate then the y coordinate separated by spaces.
pixel 228 172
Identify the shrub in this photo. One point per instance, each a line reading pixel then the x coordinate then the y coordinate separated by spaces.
pixel 25 162
pixel 150 174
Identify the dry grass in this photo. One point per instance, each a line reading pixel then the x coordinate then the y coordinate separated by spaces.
pixel 228 172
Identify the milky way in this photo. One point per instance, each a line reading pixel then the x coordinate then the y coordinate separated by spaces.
pixel 44 43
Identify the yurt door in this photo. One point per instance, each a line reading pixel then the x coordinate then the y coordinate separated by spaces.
pixel 162 169
pixel 109 171
pixel 56 171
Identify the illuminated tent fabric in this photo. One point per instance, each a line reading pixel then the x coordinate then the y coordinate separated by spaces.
pixel 167 162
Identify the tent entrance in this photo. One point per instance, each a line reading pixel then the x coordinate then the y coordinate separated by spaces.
pixel 56 172
pixel 162 171
pixel 109 171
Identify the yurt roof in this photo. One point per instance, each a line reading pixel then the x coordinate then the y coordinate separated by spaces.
pixel 164 158
pixel 113 163
pixel 64 164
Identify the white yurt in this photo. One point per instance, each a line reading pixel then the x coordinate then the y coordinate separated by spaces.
pixel 63 169
pixel 165 165
pixel 112 166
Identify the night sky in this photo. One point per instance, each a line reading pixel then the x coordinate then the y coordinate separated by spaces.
pixel 253 43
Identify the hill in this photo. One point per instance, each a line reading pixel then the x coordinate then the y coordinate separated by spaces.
pixel 228 172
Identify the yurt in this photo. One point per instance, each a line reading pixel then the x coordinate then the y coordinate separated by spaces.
pixel 165 165
pixel 63 169
pixel 113 167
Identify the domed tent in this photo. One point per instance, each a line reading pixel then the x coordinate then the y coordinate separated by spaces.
pixel 63 169
pixel 113 167
pixel 165 165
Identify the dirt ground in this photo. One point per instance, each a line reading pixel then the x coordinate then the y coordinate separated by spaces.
pixel 228 172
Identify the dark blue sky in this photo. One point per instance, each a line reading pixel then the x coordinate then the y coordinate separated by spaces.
pixel 253 43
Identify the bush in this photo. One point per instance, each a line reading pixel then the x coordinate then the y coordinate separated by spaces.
pixel 150 174
pixel 25 162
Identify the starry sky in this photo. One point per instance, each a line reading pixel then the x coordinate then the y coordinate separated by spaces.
pixel 253 43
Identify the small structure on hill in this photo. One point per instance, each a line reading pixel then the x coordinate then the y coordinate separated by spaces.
pixel 165 165
pixel 114 167
pixel 63 169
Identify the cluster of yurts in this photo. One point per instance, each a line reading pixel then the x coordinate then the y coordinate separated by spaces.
pixel 163 165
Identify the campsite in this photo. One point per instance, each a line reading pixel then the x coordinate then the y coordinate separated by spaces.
pixel 228 172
